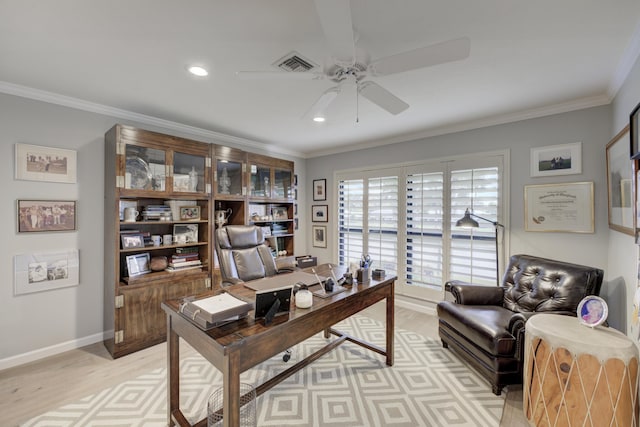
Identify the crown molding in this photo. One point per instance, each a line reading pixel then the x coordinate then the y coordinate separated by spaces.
pixel 578 104
pixel 92 107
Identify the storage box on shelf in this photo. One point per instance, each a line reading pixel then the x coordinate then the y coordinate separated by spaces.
pixel 167 181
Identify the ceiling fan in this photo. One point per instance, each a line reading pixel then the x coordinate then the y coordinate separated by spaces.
pixel 350 70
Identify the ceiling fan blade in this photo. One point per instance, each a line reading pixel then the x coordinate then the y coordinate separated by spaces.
pixel 319 107
pixel 278 75
pixel 335 18
pixel 452 50
pixel 382 97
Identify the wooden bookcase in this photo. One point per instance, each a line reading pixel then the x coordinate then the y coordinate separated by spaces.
pixel 148 170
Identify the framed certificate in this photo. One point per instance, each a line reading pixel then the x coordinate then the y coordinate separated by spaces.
pixel 566 207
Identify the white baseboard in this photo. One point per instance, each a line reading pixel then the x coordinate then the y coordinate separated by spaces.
pixel 41 353
pixel 415 305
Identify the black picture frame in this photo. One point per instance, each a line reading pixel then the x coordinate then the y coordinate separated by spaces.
pixel 319 190
pixel 319 213
pixel 634 124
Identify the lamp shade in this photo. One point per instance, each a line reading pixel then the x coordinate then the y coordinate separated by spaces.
pixel 466 221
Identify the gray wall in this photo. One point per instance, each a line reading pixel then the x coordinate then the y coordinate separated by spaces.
pixel 590 126
pixel 38 324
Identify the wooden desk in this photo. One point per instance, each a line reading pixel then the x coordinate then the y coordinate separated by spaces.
pixel 238 346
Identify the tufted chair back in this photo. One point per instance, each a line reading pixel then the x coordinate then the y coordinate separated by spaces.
pixel 534 284
pixel 243 254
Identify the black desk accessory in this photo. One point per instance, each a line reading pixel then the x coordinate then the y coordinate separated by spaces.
pixel 266 301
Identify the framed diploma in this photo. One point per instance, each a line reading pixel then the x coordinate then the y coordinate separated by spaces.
pixel 566 207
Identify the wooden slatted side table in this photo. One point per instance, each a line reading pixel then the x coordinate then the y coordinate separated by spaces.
pixel 578 376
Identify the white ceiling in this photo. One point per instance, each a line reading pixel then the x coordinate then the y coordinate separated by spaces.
pixel 527 59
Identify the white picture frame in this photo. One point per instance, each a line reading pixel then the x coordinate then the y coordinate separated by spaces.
pixel 37 272
pixel 36 163
pixel 553 160
pixel 566 207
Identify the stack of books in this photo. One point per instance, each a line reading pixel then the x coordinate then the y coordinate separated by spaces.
pixel 156 213
pixel 185 259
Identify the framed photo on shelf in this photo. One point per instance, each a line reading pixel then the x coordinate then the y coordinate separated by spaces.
pixel 46 271
pixel 46 215
pixel 36 163
pixel 132 240
pixel 185 233
pixel 189 213
pixel 566 207
pixel 634 129
pixel 565 159
pixel 319 236
pixel 280 212
pixel 319 190
pixel 320 213
pixel 138 264
pixel 619 184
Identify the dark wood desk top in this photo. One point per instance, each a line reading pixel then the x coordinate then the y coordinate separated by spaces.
pixel 286 329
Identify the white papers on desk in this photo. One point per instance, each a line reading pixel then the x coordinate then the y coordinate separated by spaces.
pixel 219 303
pixel 215 310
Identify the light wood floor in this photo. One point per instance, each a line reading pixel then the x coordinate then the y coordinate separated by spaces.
pixel 38 387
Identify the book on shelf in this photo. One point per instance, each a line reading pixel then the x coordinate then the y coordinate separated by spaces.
pixel 185 257
pixel 187 250
pixel 215 310
pixel 177 269
pixel 185 263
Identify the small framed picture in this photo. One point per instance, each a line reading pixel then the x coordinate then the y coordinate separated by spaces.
pixel 592 311
pixel 319 189
pixel 565 159
pixel 138 264
pixel 189 213
pixel 320 213
pixel 279 212
pixel 46 215
pixel 319 236
pixel 35 163
pixel 185 233
pixel 132 241
pixel 37 272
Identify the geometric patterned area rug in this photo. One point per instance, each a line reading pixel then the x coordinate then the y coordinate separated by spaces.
pixel 349 386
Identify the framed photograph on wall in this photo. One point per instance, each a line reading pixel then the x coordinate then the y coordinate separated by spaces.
pixel 565 159
pixel 319 190
pixel 319 236
pixel 634 128
pixel 46 271
pixel 566 207
pixel 320 213
pixel 46 215
pixel 620 184
pixel 35 163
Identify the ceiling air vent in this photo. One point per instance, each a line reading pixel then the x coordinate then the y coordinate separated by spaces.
pixel 295 62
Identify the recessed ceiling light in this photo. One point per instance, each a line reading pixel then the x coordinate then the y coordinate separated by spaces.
pixel 198 71
pixel 319 119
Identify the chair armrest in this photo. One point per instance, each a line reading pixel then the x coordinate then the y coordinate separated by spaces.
pixel 230 281
pixel 285 264
pixel 517 326
pixel 469 294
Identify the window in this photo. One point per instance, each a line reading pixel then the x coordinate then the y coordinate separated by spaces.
pixel 405 219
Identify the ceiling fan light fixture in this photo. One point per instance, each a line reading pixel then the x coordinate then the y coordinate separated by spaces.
pixel 197 70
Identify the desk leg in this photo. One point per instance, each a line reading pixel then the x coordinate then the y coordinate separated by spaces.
pixel 231 390
pixel 390 325
pixel 173 374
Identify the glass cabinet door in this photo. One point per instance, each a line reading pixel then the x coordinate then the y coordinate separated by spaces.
pixel 282 184
pixel 145 168
pixel 260 181
pixel 188 173
pixel 229 178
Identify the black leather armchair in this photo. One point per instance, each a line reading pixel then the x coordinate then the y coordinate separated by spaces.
pixel 243 255
pixel 485 325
